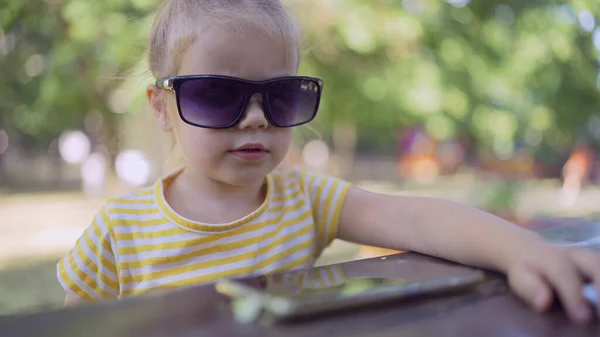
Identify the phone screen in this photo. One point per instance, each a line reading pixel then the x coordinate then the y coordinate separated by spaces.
pixel 350 287
pixel 333 287
pixel 332 283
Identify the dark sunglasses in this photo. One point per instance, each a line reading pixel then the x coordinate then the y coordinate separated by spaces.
pixel 219 102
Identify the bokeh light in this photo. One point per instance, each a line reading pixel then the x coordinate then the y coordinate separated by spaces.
pixel 586 20
pixel 458 3
pixel 93 174
pixel 316 154
pixel 414 6
pixel 74 147
pixel 35 64
pixel 596 38
pixel 133 168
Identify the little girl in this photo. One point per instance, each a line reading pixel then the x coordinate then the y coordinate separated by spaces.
pixel 228 92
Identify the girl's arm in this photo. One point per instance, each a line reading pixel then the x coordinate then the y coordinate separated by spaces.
pixel 469 236
pixel 70 301
pixel 431 226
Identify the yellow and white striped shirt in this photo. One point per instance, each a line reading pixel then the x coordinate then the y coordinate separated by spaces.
pixel 137 243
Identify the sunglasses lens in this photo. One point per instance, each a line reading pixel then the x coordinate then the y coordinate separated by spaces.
pixel 293 101
pixel 211 102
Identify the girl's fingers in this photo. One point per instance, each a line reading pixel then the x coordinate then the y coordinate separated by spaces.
pixel 531 287
pixel 588 263
pixel 566 279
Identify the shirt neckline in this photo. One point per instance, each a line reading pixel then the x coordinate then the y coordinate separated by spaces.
pixel 201 227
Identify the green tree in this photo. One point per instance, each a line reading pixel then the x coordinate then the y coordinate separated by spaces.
pixel 62 63
pixel 502 71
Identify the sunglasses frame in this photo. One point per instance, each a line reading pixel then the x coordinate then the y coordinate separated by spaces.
pixel 251 88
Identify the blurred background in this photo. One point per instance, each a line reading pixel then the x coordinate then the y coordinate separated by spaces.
pixel 492 103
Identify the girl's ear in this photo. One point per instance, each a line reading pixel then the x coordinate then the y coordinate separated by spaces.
pixel 159 106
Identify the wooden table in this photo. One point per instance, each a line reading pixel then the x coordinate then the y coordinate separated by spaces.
pixel 487 310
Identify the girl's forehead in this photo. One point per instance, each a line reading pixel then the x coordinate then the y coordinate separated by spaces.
pixel 250 53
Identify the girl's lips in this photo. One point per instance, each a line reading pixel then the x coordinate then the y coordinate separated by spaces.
pixel 251 146
pixel 250 154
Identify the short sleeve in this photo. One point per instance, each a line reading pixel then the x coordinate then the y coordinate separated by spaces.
pixel 89 270
pixel 326 195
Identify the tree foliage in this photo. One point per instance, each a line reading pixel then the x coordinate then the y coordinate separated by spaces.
pixel 505 72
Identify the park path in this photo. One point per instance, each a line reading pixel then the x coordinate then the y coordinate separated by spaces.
pixel 44 225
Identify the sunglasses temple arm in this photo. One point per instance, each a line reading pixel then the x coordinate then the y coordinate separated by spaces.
pixel 166 83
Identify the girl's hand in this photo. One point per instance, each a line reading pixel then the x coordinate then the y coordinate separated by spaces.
pixel 543 270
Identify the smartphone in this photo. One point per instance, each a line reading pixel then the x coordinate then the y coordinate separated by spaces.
pixel 327 289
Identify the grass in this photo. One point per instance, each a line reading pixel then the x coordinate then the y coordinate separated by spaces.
pixel 32 287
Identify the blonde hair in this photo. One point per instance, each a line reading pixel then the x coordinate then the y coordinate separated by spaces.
pixel 178 22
